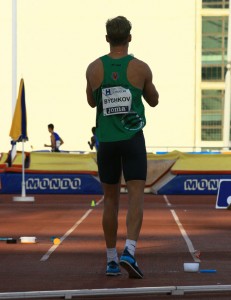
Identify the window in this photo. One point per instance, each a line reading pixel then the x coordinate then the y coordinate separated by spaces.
pixel 213 69
pixel 215 3
pixel 214 48
pixel 212 107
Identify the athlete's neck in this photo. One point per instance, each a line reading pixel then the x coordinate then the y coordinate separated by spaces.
pixel 118 51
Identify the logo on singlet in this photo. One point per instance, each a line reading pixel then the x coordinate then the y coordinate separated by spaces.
pixel 132 121
pixel 115 75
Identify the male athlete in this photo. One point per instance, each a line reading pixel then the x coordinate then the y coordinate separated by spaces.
pixel 116 83
pixel 56 140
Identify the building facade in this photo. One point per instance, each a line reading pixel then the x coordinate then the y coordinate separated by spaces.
pixel 213 131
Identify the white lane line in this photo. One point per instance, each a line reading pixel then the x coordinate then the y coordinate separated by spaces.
pixel 167 201
pixel 189 243
pixel 54 247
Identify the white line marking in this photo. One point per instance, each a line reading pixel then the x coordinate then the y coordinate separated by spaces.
pixel 54 247
pixel 183 232
pixel 167 201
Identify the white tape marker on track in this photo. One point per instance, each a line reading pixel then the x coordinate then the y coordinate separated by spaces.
pixel 183 232
pixel 54 247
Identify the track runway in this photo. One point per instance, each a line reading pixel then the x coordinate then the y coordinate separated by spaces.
pixel 176 229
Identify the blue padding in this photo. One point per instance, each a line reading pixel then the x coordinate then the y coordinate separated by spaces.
pixel 50 184
pixel 224 194
pixel 193 185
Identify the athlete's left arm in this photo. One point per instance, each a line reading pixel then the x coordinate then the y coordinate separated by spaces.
pixel 53 145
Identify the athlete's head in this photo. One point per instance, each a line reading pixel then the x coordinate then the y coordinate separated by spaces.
pixel 50 127
pixel 93 130
pixel 118 31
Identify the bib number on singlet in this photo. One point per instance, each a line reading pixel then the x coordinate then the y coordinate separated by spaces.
pixel 58 143
pixel 116 100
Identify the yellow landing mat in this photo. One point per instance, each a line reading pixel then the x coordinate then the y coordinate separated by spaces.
pixel 202 163
pixel 49 161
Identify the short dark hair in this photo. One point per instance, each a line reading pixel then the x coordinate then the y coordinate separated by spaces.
pixel 51 126
pixel 118 30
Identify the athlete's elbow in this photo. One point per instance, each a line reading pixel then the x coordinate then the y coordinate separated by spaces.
pixel 91 102
pixel 153 101
pixel 93 105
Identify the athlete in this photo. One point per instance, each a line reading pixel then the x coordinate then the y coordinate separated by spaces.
pixel 116 83
pixel 94 141
pixel 56 140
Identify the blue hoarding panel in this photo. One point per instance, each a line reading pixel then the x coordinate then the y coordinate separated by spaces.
pixel 193 185
pixel 50 184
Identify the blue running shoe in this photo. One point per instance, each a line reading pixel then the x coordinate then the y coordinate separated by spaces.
pixel 113 269
pixel 128 262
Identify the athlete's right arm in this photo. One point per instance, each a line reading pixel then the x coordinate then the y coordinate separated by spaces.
pixel 89 89
pixel 90 98
pixel 150 93
pixel 94 77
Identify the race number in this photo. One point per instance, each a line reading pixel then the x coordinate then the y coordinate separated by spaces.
pixel 116 100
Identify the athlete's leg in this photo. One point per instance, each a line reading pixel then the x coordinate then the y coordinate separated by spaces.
pixel 135 208
pixel 110 213
pixel 134 162
pixel 109 165
pixel 134 222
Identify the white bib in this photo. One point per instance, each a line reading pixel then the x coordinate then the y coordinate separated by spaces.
pixel 58 143
pixel 116 100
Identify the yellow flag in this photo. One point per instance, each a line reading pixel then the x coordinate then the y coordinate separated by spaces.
pixel 18 131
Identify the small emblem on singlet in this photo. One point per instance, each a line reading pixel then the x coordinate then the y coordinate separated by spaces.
pixel 115 75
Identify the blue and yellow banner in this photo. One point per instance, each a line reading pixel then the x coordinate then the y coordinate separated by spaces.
pixel 18 131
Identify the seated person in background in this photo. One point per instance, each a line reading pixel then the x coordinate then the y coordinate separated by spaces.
pixel 94 141
pixel 56 140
